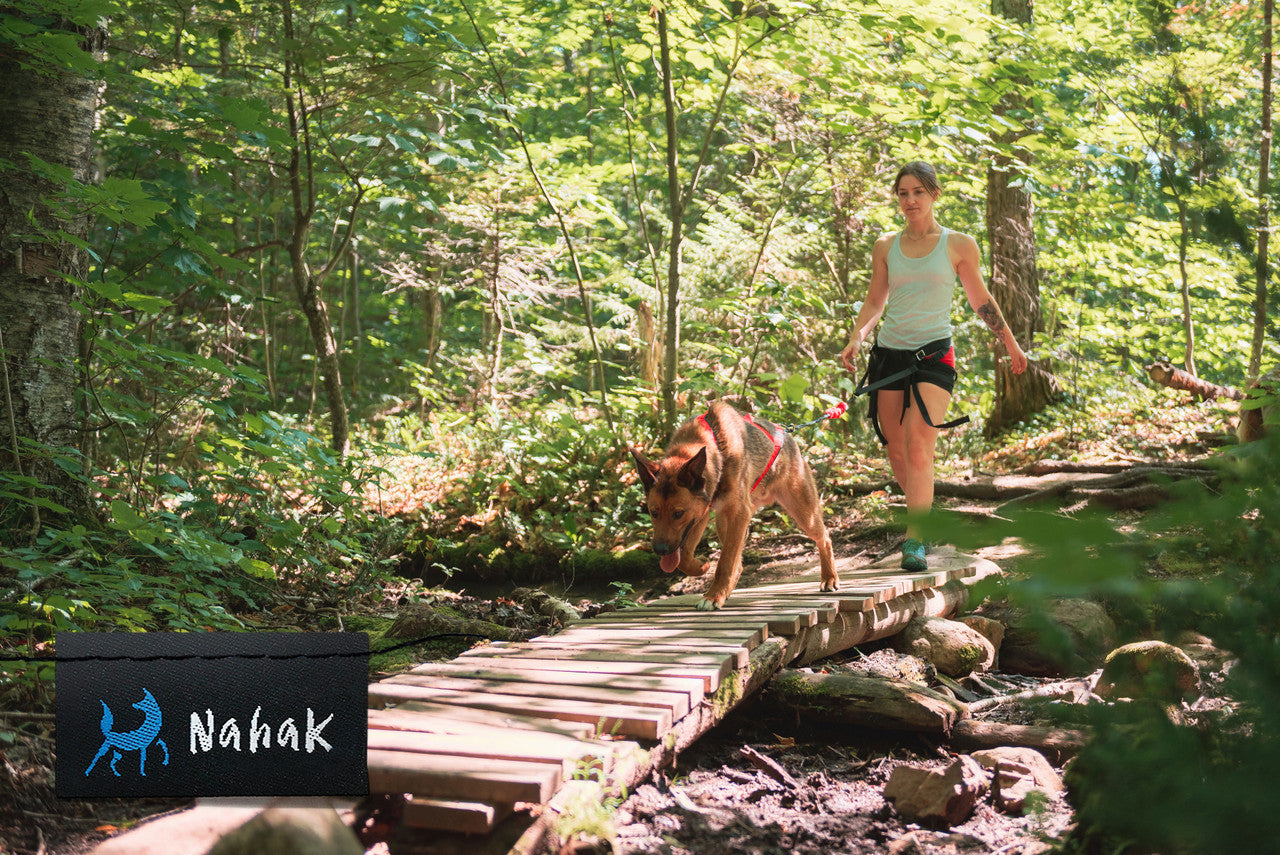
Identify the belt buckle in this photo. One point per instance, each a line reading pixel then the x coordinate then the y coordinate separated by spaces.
pixel 921 356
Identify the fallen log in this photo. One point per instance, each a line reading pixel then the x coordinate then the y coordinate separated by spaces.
pixel 1136 487
pixel 890 704
pixel 1060 689
pixel 1178 469
pixel 1056 743
pixel 878 702
pixel 1166 374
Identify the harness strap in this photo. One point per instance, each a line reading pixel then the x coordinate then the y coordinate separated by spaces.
pixel 913 386
pixel 775 437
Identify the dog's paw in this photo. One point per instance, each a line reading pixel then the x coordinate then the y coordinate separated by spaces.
pixel 706 605
pixel 828 587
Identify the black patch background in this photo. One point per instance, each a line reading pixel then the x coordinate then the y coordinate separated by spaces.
pixel 327 672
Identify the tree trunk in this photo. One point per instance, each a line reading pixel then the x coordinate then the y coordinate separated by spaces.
pixel 1188 323
pixel 1015 282
pixel 307 285
pixel 1264 201
pixel 675 204
pixel 49 112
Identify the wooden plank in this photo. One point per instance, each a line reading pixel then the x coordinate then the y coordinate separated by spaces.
pixel 751 634
pixel 446 718
pixel 811 612
pixel 567 759
pixel 849 581
pixel 694 621
pixel 628 654
pixel 624 641
pixel 680 619
pixel 687 686
pixel 710 675
pixel 676 702
pixel 691 642
pixel 787 620
pixel 749 600
pixel 792 598
pixel 878 591
pixel 622 719
pixel 740 654
pixel 406 718
pixel 507 781
pixel 454 816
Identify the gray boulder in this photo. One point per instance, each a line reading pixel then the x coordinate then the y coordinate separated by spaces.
pixel 954 648
pixel 1068 637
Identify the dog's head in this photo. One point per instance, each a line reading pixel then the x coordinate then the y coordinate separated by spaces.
pixel 677 499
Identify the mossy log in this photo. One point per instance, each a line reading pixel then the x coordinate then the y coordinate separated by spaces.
pixel 419 620
pixel 875 702
pixel 884 703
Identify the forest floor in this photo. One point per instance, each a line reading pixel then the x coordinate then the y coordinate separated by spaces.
pixel 716 800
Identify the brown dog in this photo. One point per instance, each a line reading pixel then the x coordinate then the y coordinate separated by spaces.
pixel 727 462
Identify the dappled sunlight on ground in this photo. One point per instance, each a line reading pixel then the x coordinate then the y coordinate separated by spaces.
pixel 1170 429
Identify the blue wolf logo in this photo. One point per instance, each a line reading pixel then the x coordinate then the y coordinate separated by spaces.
pixel 134 740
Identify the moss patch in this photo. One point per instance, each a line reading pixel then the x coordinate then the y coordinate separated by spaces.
pixel 397 661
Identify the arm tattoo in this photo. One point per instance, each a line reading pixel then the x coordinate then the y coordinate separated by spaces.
pixel 990 313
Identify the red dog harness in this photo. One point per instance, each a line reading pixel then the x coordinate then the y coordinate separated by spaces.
pixel 775 437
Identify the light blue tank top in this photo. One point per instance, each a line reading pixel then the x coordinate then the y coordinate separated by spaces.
pixel 918 309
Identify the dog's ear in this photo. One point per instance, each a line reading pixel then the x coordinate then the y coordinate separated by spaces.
pixel 647 471
pixel 691 474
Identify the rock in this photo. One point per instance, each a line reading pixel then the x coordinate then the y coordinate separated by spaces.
pixel 1206 654
pixel 1070 637
pixel 1016 773
pixel 907 844
pixel 937 798
pixel 1037 766
pixel 991 630
pixel 1148 669
pixel 291 831
pixel 1010 786
pixel 954 648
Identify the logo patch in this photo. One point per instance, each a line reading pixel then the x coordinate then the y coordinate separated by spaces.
pixel 211 714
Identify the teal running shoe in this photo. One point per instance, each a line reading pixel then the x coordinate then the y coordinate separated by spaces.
pixel 913 555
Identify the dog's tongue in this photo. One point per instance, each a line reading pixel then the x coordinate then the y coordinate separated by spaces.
pixel 670 561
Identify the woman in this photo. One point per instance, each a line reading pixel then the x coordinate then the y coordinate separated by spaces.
pixel 913 275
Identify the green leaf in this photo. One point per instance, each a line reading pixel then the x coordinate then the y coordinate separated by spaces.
pixel 793 388
pixel 124 517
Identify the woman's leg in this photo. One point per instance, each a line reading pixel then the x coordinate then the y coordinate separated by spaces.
pixel 910 445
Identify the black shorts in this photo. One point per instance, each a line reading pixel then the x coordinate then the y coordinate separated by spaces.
pixel 937 366
pixel 934 363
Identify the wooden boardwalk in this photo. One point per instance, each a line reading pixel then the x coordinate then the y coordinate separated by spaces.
pixel 608 699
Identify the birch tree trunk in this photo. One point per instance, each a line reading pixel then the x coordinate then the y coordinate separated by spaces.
pixel 1015 281
pixel 46 111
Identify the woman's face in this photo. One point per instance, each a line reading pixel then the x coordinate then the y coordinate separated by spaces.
pixel 915 201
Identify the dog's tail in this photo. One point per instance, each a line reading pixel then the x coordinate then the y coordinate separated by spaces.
pixel 107 719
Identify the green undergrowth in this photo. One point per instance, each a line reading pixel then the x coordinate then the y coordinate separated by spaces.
pixel 1207 560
